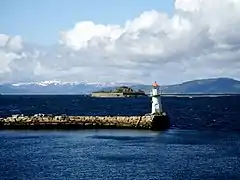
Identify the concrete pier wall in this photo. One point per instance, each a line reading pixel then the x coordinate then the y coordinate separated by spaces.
pixel 84 122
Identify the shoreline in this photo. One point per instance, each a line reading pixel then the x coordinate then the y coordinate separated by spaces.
pixel 89 95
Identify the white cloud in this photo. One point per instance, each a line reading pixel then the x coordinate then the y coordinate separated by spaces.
pixel 80 35
pixel 13 43
pixel 200 40
pixel 3 40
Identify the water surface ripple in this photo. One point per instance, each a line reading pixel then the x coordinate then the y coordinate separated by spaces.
pixel 203 143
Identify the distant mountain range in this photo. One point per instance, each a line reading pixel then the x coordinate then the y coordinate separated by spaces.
pixel 203 86
pixel 56 87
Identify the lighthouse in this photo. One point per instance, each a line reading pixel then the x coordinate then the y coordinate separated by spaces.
pixel 156 100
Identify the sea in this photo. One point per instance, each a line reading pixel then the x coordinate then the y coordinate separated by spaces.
pixel 202 143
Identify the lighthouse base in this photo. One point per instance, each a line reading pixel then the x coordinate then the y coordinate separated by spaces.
pixel 160 122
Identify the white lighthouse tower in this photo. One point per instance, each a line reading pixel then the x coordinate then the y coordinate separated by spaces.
pixel 156 100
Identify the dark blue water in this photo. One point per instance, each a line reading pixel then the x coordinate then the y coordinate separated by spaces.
pixel 185 113
pixel 203 143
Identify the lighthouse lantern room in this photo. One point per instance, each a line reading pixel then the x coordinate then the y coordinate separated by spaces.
pixel 156 100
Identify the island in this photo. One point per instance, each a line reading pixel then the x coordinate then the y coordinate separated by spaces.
pixel 122 91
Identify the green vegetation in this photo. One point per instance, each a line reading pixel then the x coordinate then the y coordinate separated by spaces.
pixel 122 89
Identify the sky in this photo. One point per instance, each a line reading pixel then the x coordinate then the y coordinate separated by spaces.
pixel 119 41
pixel 47 17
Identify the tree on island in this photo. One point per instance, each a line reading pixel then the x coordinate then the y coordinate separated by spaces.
pixel 121 89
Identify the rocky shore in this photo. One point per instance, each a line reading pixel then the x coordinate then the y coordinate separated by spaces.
pixel 42 121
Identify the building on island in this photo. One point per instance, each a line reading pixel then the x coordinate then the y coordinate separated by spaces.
pixel 122 91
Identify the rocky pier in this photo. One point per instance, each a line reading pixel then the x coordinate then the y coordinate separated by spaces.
pixel 42 121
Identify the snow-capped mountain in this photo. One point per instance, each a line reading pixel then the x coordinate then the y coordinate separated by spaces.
pixel 56 83
pixel 57 87
pixel 204 86
pixel 44 83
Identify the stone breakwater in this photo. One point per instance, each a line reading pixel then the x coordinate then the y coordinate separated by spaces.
pixel 84 122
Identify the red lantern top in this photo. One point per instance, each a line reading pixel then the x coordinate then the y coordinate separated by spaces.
pixel 155 84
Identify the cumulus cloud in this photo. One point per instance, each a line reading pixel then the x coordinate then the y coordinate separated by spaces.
pixel 200 40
